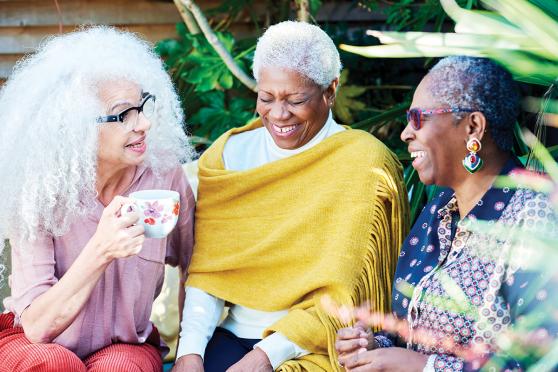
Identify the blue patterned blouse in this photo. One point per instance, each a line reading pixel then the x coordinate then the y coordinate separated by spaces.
pixel 465 288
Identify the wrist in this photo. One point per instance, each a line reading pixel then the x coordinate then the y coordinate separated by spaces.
pixel 195 358
pixel 262 356
pixel 95 253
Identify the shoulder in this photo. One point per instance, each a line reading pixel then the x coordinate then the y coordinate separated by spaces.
pixel 239 142
pixel 364 145
pixel 532 209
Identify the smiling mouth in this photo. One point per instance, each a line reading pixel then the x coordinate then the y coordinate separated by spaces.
pixel 418 154
pixel 283 130
pixel 135 145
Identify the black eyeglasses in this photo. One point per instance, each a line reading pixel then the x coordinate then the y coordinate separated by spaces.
pixel 129 117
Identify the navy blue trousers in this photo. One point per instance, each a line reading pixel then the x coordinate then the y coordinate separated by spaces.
pixel 225 349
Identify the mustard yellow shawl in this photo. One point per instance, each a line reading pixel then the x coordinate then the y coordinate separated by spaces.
pixel 329 220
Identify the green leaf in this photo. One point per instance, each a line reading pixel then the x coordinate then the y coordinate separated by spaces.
pixel 315 5
pixel 377 120
pixel 226 80
pixel 345 103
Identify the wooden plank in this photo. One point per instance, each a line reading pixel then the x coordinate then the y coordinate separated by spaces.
pixel 335 12
pixel 7 63
pixel 119 12
pixel 21 40
pixel 41 13
pixel 74 12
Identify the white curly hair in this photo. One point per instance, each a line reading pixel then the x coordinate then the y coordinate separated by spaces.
pixel 301 47
pixel 48 130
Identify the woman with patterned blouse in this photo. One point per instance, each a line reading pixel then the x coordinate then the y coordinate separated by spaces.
pixel 466 287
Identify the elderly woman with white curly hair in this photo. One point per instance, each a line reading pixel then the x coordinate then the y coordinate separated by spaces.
pixel 79 132
pixel 291 207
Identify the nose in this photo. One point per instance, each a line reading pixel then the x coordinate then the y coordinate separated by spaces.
pixel 143 124
pixel 278 112
pixel 408 133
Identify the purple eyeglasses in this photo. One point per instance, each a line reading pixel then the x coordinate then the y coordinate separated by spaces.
pixel 414 115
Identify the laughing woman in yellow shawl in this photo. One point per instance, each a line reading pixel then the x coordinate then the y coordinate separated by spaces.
pixel 291 207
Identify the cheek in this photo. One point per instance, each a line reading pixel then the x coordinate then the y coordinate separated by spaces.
pixel 109 143
pixel 261 109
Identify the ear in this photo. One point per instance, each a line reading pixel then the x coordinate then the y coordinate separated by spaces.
pixel 476 125
pixel 331 90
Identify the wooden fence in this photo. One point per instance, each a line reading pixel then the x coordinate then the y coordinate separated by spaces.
pixel 25 23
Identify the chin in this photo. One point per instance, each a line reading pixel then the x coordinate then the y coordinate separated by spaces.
pixel 426 179
pixel 289 144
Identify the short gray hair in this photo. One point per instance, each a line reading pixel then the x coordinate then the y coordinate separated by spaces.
pixel 481 85
pixel 301 47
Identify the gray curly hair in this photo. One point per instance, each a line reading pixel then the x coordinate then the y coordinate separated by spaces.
pixel 481 85
pixel 301 47
pixel 48 129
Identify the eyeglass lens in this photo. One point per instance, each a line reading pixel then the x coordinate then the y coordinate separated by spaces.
pixel 131 118
pixel 413 117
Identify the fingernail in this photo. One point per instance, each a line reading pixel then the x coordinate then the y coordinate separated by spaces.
pixel 361 350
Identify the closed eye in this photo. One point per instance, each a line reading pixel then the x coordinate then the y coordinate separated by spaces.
pixel 295 103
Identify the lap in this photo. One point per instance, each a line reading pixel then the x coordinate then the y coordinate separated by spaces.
pixel 125 358
pixel 17 353
pixel 225 349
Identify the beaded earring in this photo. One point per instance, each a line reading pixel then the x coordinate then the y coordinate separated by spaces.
pixel 472 161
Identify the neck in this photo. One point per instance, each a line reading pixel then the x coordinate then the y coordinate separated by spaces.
pixel 471 187
pixel 112 180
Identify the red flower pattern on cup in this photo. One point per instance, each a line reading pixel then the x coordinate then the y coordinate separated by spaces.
pixel 176 209
pixel 150 221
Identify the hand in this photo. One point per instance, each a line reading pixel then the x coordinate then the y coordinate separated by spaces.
pixel 352 339
pixel 255 361
pixel 116 235
pixel 394 359
pixel 188 363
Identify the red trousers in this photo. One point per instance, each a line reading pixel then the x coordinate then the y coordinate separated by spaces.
pixel 17 353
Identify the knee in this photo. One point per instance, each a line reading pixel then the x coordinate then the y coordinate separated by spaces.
pixel 51 358
pixel 125 361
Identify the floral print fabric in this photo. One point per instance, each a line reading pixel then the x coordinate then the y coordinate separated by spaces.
pixel 467 287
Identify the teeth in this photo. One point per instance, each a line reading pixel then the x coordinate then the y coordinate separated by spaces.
pixel 283 129
pixel 418 154
pixel 137 145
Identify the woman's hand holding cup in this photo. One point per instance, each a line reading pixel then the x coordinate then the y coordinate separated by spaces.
pixel 118 234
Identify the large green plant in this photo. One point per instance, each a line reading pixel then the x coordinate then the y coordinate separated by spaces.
pixel 213 99
pixel 372 96
pixel 521 35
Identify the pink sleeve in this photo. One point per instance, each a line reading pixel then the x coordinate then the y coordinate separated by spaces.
pixel 33 272
pixel 181 240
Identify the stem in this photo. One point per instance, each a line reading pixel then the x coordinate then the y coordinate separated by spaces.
pixel 303 11
pixel 218 46
pixel 187 17
pixel 242 54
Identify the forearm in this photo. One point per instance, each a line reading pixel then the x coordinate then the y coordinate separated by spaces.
pixel 200 317
pixel 53 311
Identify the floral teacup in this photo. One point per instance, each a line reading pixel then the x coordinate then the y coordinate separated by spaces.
pixel 158 210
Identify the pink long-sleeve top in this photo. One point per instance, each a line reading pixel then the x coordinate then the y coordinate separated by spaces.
pixel 119 307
